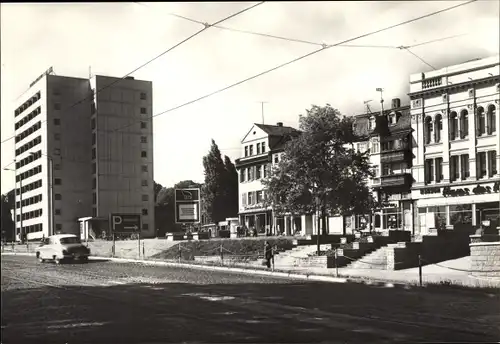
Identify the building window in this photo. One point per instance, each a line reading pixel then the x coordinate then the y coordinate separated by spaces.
pixel 57 166
pixel 94 183
pixel 144 182
pixel 251 173
pixel 144 168
pixel 57 211
pixel 57 121
pixel 57 181
pixel 453 126
pixel 57 106
pixel 258 172
pixel 429 170
pixel 258 148
pixel 276 158
pixel 92 123
pixel 491 120
pixel 371 123
pixel 263 147
pixel 57 151
pixel 265 170
pixel 481 170
pixel 492 163
pixel 145 198
pixel 260 196
pixel 454 168
pixel 92 108
pixel 57 197
pixel 250 150
pixel 481 122
pixel 242 175
pixel 143 96
pixel 144 154
pixel 145 226
pixel 144 211
pixel 439 169
pixel 94 198
pixel 94 138
pixel 375 147
pixel 94 168
pixel 464 166
pixel 246 151
pixel 387 169
pixel 143 110
pixel 143 125
pixel 57 136
pixel 244 199
pixel 94 153
pixel 250 198
pixel 438 127
pixel 428 130
pixel 144 139
pixel 464 124
pixel 460 214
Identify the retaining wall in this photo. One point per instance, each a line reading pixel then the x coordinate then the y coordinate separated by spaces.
pixel 485 256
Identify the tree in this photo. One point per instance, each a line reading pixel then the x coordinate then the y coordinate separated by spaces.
pixel 6 220
pixel 230 188
pixel 213 190
pixel 157 188
pixel 320 171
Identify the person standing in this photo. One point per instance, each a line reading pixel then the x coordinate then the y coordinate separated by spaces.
pixel 268 254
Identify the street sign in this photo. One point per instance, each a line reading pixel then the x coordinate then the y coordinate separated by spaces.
pixel 125 223
pixel 187 206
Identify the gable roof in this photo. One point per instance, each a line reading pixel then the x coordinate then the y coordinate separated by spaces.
pixel 361 122
pixel 276 130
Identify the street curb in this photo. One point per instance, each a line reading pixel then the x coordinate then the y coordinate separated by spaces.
pixel 290 275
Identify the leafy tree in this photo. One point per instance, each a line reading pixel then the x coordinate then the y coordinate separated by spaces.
pixel 6 220
pixel 157 188
pixel 213 190
pixel 230 188
pixel 320 171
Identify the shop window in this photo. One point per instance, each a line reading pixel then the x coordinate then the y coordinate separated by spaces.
pixel 461 213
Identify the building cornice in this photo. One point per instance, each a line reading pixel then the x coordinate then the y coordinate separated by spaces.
pixel 452 87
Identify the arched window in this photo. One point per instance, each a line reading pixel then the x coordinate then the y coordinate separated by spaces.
pixel 438 127
pixel 454 129
pixel 481 122
pixel 491 119
pixel 428 130
pixel 464 124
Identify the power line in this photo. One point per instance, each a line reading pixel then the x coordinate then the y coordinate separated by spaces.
pixel 298 59
pixel 421 59
pixel 206 26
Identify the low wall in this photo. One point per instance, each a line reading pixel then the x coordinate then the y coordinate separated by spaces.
pixel 485 256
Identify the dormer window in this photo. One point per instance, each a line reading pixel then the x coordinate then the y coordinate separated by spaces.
pixel 371 124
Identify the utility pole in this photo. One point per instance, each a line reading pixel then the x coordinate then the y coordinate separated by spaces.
pixel 381 90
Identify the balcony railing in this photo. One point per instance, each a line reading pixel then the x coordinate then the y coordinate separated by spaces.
pixel 433 82
pixel 401 179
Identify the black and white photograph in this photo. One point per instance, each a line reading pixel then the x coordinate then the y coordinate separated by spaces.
pixel 250 172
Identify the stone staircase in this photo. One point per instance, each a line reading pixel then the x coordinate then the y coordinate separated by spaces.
pixel 294 256
pixel 374 260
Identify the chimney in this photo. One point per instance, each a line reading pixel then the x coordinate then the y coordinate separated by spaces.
pixel 279 124
pixel 396 103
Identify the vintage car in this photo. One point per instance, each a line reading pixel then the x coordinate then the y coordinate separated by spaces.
pixel 62 247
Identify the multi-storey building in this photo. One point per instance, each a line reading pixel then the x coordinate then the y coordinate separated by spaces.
pixel 262 147
pixel 122 149
pixel 59 153
pixel 387 138
pixel 456 144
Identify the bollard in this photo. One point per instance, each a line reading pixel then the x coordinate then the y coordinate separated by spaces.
pixel 221 255
pixel 336 265
pixel 143 250
pixel 420 270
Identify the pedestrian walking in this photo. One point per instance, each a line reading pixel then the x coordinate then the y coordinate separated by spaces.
pixel 268 254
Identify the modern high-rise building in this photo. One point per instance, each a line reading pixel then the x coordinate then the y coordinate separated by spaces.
pixel 74 156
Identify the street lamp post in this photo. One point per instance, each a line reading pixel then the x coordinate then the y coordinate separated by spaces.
pixel 51 184
pixel 21 237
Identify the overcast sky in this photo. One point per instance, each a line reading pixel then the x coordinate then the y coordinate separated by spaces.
pixel 116 38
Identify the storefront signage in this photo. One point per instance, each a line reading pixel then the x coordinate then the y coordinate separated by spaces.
pixel 253 206
pixel 449 192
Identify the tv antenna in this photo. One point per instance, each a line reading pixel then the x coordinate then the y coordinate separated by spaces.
pixel 368 110
pixel 262 110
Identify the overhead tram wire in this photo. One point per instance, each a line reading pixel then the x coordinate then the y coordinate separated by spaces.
pixel 206 26
pixel 418 57
pixel 298 59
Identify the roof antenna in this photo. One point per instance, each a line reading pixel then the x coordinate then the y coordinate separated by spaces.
pixel 262 110
pixel 368 110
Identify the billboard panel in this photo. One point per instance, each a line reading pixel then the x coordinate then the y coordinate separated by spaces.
pixel 187 206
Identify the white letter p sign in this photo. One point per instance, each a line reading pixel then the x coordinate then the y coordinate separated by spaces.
pixel 117 220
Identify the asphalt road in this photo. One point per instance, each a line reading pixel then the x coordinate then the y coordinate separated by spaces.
pixel 110 302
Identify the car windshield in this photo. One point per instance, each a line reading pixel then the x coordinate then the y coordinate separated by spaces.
pixel 70 240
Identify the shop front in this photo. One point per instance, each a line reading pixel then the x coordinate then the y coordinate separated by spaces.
pixel 259 219
pixel 452 206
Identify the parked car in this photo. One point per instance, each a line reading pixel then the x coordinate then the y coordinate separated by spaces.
pixel 62 247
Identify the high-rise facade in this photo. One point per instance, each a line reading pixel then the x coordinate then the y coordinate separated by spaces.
pixel 59 153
